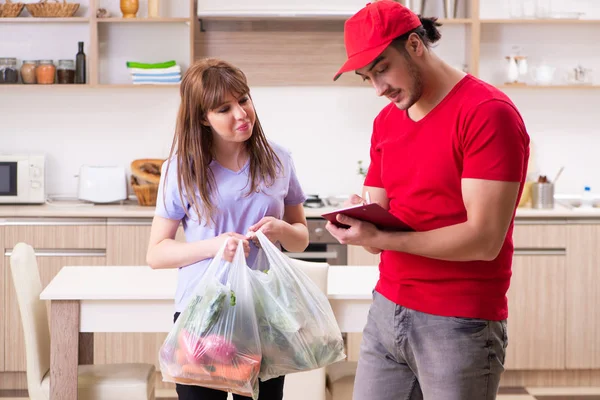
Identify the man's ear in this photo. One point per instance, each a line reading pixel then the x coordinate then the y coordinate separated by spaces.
pixel 414 45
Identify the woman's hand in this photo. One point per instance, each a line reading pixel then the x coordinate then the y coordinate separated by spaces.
pixel 271 227
pixel 233 240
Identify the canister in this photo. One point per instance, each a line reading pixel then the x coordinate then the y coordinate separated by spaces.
pixel 542 195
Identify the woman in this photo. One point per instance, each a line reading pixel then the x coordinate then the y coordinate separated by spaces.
pixel 241 183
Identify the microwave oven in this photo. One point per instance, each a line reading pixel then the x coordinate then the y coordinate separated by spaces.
pixel 22 179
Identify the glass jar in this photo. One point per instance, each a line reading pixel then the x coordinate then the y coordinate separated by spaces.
pixel 45 72
pixel 8 70
pixel 66 71
pixel 28 71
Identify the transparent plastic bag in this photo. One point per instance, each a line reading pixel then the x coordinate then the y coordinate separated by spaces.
pixel 297 327
pixel 215 343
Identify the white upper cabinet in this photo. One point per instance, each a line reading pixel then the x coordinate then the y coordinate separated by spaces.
pixel 278 8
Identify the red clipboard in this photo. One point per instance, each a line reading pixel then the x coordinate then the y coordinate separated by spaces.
pixel 372 213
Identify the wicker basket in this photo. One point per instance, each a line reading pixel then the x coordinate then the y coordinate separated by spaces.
pixel 146 193
pixel 10 9
pixel 45 9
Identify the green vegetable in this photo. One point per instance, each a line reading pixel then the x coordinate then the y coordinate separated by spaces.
pixel 232 299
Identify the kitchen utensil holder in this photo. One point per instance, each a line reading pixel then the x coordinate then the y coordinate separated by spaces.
pixel 542 195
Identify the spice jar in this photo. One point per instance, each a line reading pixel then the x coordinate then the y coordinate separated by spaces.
pixel 45 72
pixel 8 70
pixel 66 71
pixel 28 71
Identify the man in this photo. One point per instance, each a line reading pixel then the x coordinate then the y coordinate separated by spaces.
pixel 449 157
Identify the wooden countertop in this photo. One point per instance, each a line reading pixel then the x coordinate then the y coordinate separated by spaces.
pixel 73 209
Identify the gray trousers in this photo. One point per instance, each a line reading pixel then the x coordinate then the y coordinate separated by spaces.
pixel 409 355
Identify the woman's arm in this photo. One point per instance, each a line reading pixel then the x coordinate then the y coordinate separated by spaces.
pixel 165 252
pixel 291 232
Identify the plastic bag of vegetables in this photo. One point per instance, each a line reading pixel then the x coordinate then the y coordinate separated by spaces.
pixel 215 343
pixel 297 328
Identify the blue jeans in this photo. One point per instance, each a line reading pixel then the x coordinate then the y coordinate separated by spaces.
pixel 410 355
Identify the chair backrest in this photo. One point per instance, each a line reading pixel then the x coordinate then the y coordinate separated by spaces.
pixel 34 316
pixel 317 271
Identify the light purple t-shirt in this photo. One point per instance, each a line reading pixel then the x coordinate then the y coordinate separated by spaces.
pixel 235 210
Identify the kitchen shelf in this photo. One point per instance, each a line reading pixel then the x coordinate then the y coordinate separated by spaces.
pixel 559 87
pixel 547 21
pixel 33 20
pixel 142 20
pixel 132 86
pixel 21 86
pixel 45 87
pixel 274 15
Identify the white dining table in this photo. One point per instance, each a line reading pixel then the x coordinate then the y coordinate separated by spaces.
pixel 89 299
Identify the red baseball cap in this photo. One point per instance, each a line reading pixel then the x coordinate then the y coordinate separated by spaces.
pixel 371 30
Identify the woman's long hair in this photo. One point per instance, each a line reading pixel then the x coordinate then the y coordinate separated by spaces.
pixel 204 87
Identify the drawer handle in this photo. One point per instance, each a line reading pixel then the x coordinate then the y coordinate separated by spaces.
pixel 540 252
pixel 129 222
pixel 313 255
pixel 51 221
pixel 65 253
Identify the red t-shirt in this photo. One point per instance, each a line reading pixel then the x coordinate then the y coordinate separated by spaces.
pixel 475 132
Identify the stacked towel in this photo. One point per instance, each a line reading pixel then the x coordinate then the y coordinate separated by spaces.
pixel 167 72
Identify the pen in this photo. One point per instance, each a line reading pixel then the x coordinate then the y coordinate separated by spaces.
pixel 367 197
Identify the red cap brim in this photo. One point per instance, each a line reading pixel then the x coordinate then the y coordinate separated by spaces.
pixel 361 59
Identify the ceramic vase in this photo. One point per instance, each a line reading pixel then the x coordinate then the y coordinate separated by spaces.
pixel 129 8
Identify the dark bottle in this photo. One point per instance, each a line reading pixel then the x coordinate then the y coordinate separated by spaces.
pixel 80 65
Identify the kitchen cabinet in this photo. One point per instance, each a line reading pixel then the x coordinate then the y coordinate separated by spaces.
pixel 553 299
pixel 127 242
pixel 57 242
pixel 3 298
pixel 357 255
pixel 537 298
pixel 536 309
pixel 583 296
pixel 275 8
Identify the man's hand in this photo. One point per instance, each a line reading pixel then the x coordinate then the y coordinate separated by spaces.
pixel 271 227
pixel 352 201
pixel 360 233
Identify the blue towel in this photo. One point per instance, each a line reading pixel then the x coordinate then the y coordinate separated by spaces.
pixel 157 80
pixel 169 75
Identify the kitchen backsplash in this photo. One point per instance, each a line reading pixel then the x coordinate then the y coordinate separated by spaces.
pixel 327 129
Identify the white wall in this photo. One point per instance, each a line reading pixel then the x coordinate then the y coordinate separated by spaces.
pixel 327 129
